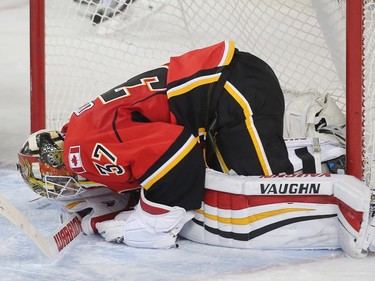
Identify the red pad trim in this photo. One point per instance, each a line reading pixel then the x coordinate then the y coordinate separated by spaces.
pixel 352 216
pixel 152 208
pixel 228 201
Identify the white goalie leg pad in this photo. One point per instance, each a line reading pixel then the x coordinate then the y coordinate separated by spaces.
pixel 294 212
pixel 154 225
pixel 280 212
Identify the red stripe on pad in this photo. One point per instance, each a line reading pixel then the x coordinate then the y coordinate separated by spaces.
pixel 229 201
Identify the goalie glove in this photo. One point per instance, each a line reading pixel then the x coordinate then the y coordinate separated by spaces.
pixel 150 225
pixel 113 230
pixel 98 204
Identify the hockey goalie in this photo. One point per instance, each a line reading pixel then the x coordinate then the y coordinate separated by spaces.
pixel 195 148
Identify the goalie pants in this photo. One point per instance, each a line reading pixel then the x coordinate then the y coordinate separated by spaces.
pixel 248 132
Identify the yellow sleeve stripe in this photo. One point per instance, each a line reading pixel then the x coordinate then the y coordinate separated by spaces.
pixel 228 53
pixel 250 127
pixel 253 218
pixel 173 161
pixel 188 86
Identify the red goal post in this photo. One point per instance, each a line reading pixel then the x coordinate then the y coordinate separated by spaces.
pixel 135 29
pixel 37 66
pixel 354 88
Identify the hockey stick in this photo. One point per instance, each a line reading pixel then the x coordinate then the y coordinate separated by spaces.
pixel 51 245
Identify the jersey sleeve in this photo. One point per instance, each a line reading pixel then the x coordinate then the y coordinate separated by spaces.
pixel 167 161
pixel 177 177
pixel 127 151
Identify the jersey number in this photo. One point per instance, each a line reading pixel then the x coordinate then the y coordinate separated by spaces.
pixel 149 82
pixel 101 151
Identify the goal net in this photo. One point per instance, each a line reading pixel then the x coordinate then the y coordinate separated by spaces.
pixel 82 48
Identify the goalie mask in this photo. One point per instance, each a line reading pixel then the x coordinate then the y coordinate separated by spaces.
pixel 40 162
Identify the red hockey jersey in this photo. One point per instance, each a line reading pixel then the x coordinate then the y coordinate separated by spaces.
pixel 140 133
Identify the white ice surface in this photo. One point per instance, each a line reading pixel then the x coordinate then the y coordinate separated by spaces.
pixel 91 258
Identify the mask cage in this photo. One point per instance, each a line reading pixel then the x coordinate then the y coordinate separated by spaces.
pixel 62 187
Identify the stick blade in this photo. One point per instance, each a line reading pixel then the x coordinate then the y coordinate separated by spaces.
pixel 51 245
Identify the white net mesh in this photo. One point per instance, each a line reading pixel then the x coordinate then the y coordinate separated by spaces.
pixel 302 40
pixel 84 59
